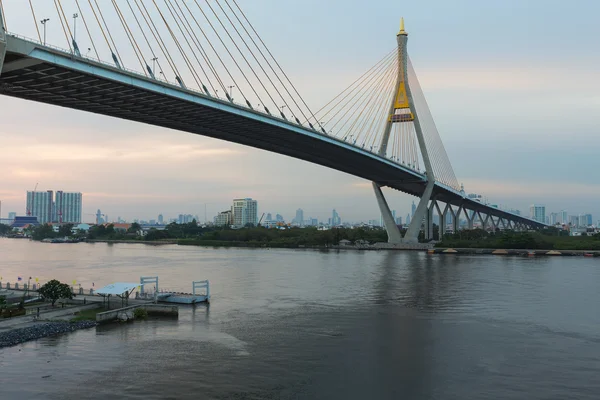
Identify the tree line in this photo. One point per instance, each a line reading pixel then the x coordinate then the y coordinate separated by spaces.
pixel 546 239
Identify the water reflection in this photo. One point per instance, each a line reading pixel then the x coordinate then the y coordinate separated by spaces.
pixel 323 324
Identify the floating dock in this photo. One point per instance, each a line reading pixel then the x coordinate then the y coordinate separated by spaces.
pixel 200 293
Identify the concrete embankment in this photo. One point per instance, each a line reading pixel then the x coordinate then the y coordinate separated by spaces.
pixel 127 313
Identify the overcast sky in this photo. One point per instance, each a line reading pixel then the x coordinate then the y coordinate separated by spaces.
pixel 513 86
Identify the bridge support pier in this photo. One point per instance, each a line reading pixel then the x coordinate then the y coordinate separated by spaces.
pixel 481 220
pixel 412 233
pixel 456 219
pixel 469 218
pixel 445 219
pixel 441 221
pixel 394 235
pixel 428 233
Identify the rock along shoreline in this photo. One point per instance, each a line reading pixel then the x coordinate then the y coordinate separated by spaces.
pixel 41 330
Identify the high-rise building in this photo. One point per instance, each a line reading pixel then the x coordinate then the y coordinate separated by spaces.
pixel 413 209
pixel 160 219
pixel 399 221
pixel 299 220
pixel 564 218
pixel 224 218
pixel 279 218
pixel 40 205
pixel 335 218
pixel 269 217
pixel 99 219
pixel 553 218
pixel 67 207
pixel 245 211
pixel 12 215
pixel 574 220
pixel 185 218
pixel 537 212
pixel 585 220
pixel 407 219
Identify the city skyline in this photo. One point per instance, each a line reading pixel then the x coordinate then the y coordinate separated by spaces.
pixel 73 205
pixel 146 170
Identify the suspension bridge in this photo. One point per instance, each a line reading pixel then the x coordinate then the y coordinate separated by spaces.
pixel 201 67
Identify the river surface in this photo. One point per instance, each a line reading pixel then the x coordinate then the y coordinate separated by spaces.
pixel 304 324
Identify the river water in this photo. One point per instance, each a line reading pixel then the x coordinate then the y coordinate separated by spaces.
pixel 304 324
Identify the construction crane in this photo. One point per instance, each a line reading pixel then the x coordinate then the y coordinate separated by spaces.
pixel 96 215
pixel 30 210
pixel 261 218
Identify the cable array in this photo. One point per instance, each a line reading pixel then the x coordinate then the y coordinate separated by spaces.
pixel 209 47
pixel 359 114
pixel 441 165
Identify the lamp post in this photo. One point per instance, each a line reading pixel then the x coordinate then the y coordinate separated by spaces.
pixel 154 63
pixel 75 16
pixel 43 22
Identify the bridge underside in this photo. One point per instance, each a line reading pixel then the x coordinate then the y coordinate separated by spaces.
pixel 31 79
pixel 40 74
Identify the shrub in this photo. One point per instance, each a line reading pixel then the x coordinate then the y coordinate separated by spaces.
pixel 140 313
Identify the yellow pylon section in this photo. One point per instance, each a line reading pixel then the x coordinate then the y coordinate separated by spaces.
pixel 401 99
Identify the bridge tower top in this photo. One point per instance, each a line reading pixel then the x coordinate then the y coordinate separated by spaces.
pixel 402 31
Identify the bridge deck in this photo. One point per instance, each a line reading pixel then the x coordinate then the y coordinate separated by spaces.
pixel 43 74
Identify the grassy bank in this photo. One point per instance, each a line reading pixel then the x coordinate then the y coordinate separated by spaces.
pixel 87 315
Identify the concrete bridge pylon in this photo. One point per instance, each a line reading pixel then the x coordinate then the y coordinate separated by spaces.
pixel 403 111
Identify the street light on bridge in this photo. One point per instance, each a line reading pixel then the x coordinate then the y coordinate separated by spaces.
pixel 75 16
pixel 154 64
pixel 43 22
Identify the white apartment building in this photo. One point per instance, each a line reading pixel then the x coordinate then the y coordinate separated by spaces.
pixel 245 211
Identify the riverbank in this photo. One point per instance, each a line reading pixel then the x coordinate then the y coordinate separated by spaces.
pixel 515 252
pixel 150 242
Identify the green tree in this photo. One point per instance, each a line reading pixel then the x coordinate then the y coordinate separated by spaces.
pixel 110 231
pixel 55 290
pixel 42 232
pixel 65 230
pixel 134 228
pixel 155 234
pixel 2 303
pixel 5 229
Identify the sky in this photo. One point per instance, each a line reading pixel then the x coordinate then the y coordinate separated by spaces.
pixel 513 86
